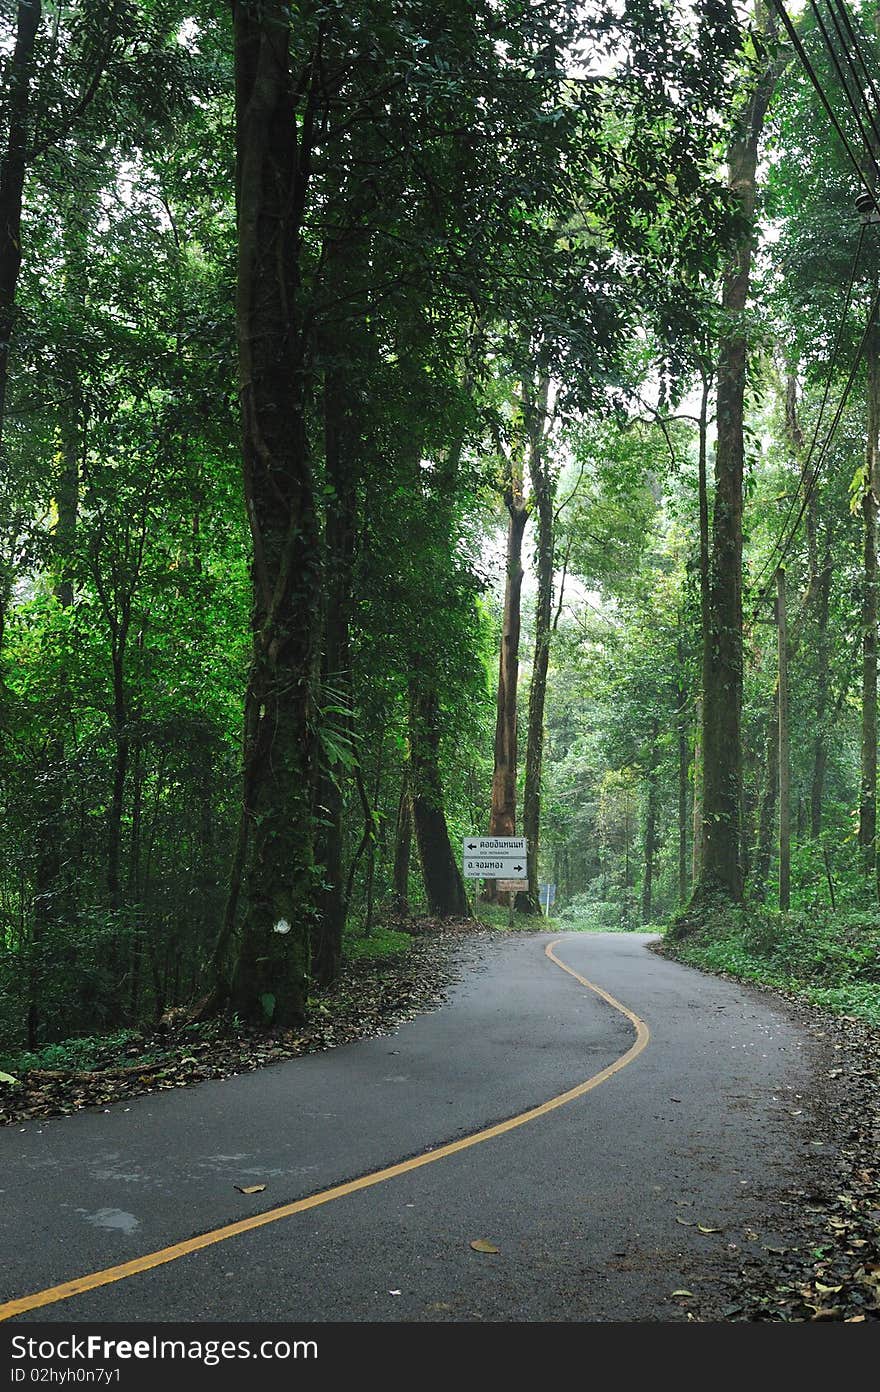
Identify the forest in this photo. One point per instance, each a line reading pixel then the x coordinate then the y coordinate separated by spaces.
pixel 425 420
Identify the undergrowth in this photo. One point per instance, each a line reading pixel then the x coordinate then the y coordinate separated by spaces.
pixel 830 959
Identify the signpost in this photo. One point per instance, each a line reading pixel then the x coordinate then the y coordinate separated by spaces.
pixel 547 895
pixel 498 858
pixel 494 858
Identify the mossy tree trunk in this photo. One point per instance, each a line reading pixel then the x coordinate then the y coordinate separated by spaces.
pixel 274 865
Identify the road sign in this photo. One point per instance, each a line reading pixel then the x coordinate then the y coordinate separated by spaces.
pixel 494 845
pixel 547 895
pixel 509 886
pixel 494 857
pixel 494 867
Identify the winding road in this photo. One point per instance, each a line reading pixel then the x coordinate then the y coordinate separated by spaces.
pixel 580 1103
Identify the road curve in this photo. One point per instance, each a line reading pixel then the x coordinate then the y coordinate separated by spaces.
pixel 593 1194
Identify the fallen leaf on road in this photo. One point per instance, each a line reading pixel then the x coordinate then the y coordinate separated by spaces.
pixel 829 1312
pixel 481 1245
pixel 685 1222
pixel 682 1292
pixel 250 1188
pixel 394 1292
pixel 701 1227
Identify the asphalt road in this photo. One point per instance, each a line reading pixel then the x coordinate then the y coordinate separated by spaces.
pixel 594 1206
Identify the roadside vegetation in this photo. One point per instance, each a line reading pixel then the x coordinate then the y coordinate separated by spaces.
pixel 830 960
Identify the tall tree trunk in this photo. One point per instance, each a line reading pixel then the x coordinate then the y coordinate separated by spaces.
pixel 782 758
pixel 122 743
pixel 441 876
pixel 697 843
pixel 820 749
pixel 53 892
pixel 444 886
pixel 542 494
pixel 650 845
pixel 502 816
pixel 627 833
pixel 722 657
pixel 767 811
pixel 342 436
pixel 12 173
pixel 683 762
pixel 274 862
pixel 868 789
pixel 703 502
pixel 402 847
pixel 819 593
pixel 13 161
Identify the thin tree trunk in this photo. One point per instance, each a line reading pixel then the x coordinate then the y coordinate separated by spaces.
pixel 820 590
pixel 703 500
pixel 53 894
pixel 868 787
pixel 341 436
pixel 122 743
pixel 626 857
pixel 683 761
pixel 767 812
pixel 820 749
pixel 502 816
pixel 783 759
pixel 402 847
pixel 650 845
pixel 697 844
pixel 542 493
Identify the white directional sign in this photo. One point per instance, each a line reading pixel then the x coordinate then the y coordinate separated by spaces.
pixel 494 857
pixel 495 845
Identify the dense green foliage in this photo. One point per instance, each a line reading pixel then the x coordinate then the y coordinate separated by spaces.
pixel 480 197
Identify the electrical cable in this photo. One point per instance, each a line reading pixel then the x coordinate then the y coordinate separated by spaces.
pixel 810 71
pixel 840 5
pixel 853 106
pixel 825 394
pixel 848 44
pixel 825 447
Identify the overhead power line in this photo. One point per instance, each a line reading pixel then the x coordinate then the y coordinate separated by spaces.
pixel 853 84
pixel 847 86
pixel 824 451
pixel 851 49
pixel 840 6
pixel 820 92
pixel 825 394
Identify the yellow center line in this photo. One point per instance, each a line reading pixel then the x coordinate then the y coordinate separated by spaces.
pixel 110 1274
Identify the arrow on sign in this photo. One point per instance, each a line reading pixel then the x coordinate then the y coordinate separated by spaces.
pixel 472 845
pixel 518 867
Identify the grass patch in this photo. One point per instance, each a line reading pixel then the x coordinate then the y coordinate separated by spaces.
pixel 588 913
pixel 75 1055
pixel 498 918
pixel 831 960
pixel 381 943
